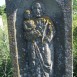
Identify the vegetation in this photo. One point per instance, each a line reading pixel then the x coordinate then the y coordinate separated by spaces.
pixel 5 61
pixel 75 37
pixel 2 10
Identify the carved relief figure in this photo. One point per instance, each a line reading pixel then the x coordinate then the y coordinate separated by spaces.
pixel 29 26
pixel 39 32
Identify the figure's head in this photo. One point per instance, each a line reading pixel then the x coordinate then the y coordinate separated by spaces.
pixel 27 14
pixel 37 9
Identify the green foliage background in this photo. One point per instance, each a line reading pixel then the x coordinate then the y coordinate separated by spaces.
pixel 5 60
pixel 75 38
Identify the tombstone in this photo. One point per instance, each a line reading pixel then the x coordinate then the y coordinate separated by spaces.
pixel 53 57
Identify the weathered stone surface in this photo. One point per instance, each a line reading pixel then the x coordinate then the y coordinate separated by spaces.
pixel 60 13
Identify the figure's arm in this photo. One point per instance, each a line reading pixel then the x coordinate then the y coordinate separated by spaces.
pixel 26 28
pixel 30 34
pixel 50 31
pixel 27 32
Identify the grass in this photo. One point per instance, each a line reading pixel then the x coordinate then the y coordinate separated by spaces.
pixel 5 60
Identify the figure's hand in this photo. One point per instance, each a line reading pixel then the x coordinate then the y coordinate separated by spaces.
pixel 38 33
pixel 45 22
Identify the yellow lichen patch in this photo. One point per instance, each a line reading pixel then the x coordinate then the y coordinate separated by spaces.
pixel 27 11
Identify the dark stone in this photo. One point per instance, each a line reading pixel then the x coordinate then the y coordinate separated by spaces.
pixel 60 11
